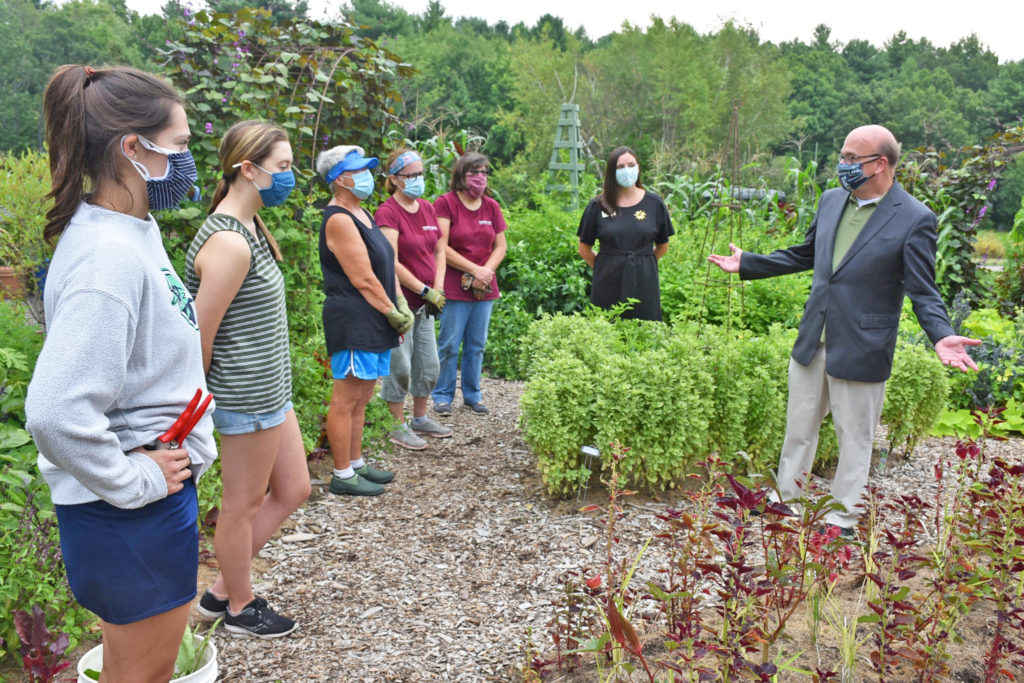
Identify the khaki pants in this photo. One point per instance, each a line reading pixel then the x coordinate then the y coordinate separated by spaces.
pixel 856 408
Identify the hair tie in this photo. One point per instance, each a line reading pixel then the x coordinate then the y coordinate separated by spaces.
pixel 89 73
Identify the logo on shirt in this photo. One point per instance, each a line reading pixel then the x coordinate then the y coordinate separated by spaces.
pixel 485 222
pixel 180 297
pixel 430 227
pixel 640 215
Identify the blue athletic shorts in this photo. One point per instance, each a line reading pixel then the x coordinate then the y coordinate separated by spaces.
pixel 230 422
pixel 128 565
pixel 362 364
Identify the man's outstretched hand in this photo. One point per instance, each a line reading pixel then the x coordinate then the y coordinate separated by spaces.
pixel 952 352
pixel 730 264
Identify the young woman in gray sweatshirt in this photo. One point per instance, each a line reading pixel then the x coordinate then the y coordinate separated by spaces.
pixel 120 363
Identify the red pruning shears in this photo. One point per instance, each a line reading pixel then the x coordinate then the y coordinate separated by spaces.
pixel 182 427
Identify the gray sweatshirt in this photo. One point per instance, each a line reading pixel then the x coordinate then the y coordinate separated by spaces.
pixel 121 360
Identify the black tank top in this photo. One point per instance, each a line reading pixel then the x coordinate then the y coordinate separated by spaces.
pixel 350 323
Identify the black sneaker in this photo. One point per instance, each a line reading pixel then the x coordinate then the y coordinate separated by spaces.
pixel 478 408
pixel 212 607
pixel 259 620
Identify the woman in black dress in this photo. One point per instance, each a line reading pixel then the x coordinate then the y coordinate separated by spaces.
pixel 633 227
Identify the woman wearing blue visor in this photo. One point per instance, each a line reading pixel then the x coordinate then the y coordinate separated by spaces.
pixel 364 312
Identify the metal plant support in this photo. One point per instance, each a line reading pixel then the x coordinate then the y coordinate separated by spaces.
pixel 723 211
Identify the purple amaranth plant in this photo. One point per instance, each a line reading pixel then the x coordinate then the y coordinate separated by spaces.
pixel 41 654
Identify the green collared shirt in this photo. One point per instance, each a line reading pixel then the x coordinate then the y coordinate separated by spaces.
pixel 855 216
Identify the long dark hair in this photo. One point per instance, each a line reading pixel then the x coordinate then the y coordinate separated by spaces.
pixel 87 111
pixel 609 196
pixel 253 141
pixel 461 168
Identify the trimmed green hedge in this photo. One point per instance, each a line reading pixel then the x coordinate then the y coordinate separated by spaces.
pixel 672 394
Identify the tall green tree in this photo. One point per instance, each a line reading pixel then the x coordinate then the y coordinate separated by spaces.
pixel 36 38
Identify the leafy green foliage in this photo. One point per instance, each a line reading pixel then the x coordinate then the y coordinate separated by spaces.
pixel 915 396
pixel 31 571
pixel 673 394
pixel 24 180
pixel 322 83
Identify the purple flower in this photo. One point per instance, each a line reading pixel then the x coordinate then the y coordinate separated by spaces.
pixel 209 128
pixel 992 185
pixel 223 100
pixel 241 33
pixel 214 60
pixel 982 211
pixel 325 140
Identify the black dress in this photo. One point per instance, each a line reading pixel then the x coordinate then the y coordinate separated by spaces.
pixel 625 267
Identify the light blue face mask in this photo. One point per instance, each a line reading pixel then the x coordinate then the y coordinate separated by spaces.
pixel 627 176
pixel 362 184
pixel 414 187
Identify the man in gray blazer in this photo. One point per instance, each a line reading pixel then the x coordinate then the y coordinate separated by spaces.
pixel 869 244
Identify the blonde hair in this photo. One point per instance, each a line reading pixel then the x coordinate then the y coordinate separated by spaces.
pixel 247 141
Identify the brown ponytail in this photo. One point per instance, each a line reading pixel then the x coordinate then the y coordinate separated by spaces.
pixel 253 141
pixel 87 111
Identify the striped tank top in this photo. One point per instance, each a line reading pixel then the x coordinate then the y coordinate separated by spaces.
pixel 250 369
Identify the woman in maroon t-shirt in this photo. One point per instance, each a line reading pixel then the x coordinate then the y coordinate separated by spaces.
pixel 411 225
pixel 476 245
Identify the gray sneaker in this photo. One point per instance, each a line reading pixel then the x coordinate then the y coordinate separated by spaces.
pixel 428 427
pixel 406 438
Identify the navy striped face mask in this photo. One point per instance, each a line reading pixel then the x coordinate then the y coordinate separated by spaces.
pixel 167 191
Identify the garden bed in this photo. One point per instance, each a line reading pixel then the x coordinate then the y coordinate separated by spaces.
pixel 440 578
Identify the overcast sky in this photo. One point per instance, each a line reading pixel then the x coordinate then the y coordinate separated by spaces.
pixel 999 24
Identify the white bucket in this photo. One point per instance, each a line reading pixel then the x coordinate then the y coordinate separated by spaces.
pixel 206 673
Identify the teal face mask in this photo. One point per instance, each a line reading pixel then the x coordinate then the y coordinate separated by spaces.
pixel 362 184
pixel 414 187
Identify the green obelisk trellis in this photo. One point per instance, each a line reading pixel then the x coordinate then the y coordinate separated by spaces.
pixel 567 138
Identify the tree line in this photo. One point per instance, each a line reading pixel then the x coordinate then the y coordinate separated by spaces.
pixel 665 89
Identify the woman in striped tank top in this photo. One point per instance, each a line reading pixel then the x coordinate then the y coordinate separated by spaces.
pixel 231 270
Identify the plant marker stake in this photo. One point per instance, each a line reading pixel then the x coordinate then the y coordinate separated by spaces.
pixel 581 489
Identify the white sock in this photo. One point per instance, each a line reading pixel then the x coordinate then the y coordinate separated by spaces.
pixel 346 473
pixel 356 464
pixel 419 420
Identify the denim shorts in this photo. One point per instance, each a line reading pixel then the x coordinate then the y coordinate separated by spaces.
pixel 129 565
pixel 362 364
pixel 231 423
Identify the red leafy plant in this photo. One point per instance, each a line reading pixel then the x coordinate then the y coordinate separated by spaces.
pixel 41 655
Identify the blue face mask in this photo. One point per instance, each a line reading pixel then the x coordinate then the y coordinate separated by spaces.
pixel 167 191
pixel 362 184
pixel 414 187
pixel 851 176
pixel 281 185
pixel 627 176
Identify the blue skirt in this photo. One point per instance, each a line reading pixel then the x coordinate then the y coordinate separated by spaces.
pixel 129 565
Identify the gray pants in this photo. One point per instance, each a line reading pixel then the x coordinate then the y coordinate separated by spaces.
pixel 856 408
pixel 414 364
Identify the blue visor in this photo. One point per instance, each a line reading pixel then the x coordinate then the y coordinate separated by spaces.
pixel 353 161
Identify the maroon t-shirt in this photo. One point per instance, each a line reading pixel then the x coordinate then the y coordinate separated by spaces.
pixel 417 236
pixel 472 235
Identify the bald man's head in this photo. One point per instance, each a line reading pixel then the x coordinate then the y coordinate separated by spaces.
pixel 880 139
